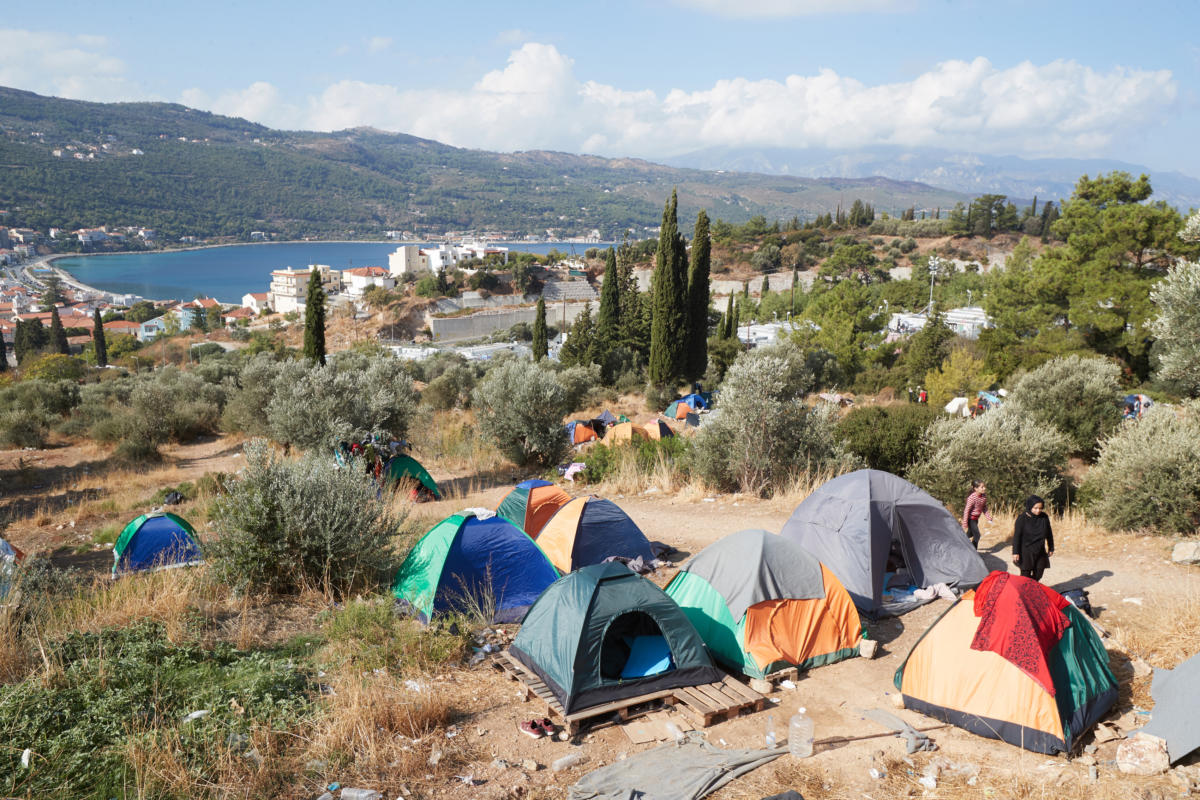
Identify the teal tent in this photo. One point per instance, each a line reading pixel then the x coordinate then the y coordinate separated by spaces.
pixel 404 469
pixel 604 633
pixel 155 541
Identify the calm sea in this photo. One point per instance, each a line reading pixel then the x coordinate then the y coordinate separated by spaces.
pixel 227 273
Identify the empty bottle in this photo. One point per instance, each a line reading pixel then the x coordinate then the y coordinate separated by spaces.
pixel 771 736
pixel 566 762
pixel 675 732
pixel 361 794
pixel 800 735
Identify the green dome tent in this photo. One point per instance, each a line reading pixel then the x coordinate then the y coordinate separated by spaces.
pixel 405 468
pixel 604 633
pixel 155 541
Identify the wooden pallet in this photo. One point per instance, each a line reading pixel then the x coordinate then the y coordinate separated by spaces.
pixel 707 704
pixel 768 683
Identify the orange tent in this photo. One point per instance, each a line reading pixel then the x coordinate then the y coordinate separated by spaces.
pixel 580 432
pixel 658 429
pixel 624 432
pixel 531 504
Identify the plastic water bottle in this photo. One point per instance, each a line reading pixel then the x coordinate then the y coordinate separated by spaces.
pixel 361 794
pixel 566 762
pixel 800 735
pixel 771 737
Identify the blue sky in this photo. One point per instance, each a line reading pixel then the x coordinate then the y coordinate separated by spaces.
pixel 655 78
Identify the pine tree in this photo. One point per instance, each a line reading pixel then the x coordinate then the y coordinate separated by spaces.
pixel 540 348
pixel 608 321
pixel 699 300
pixel 58 335
pixel 314 320
pixel 669 321
pixel 98 341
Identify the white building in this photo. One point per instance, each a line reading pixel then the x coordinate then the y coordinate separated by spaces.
pixel 91 235
pixel 289 287
pixel 966 322
pixel 407 260
pixel 256 301
pixel 410 258
pixel 358 279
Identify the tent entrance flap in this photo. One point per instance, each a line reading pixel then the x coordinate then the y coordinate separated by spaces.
pixel 630 646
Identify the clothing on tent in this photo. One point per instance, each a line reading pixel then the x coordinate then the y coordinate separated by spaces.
pixel 689 770
pixel 1176 715
pixel 1020 620
pixel 856 523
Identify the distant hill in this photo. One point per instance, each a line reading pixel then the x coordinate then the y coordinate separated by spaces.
pixel 184 171
pixel 1019 178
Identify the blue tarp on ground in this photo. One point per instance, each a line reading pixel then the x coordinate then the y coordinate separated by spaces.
pixel 494 555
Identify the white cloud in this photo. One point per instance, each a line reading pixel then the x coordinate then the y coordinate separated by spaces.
pixel 513 36
pixel 258 102
pixel 792 8
pixel 537 102
pixel 63 65
pixel 377 44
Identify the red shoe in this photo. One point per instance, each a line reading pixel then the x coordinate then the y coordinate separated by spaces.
pixel 532 728
pixel 548 727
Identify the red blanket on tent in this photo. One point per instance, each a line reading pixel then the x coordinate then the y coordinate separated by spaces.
pixel 1021 621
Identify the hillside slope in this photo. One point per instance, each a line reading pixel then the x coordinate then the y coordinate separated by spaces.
pixel 185 171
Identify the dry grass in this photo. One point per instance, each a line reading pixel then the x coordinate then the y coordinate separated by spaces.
pixel 629 476
pixel 376 731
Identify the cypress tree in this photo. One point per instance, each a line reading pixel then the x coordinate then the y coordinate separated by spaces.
pixel 58 335
pixel 314 320
pixel 727 323
pixel 4 355
pixel 699 300
pixel 668 325
pixel 540 348
pixel 766 287
pixel 98 341
pixel 608 321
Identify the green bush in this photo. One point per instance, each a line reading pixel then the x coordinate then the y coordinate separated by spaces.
pixel 23 428
pixel 1148 474
pixel 51 397
pixel 764 435
pixel 578 382
pixel 520 406
pixel 886 437
pixel 133 682
pixel 1015 455
pixel 451 389
pixel 1080 397
pixel 286 525
pixel 602 459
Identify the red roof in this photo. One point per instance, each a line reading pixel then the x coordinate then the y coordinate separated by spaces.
pixel 367 272
pixel 259 295
pixel 121 325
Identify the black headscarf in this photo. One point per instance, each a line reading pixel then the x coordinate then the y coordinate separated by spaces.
pixel 1032 501
pixel 1035 529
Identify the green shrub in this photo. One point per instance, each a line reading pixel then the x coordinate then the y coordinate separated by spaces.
pixel 451 389
pixel 578 382
pixel 370 635
pixel 23 428
pixel 1080 397
pixel 1148 474
pixel 659 397
pixel 54 367
pixel 1015 455
pixel 601 459
pixel 50 397
pixel 764 434
pixel 520 406
pixel 886 437
pixel 286 525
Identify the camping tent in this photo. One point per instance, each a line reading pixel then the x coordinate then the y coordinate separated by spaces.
pixel 604 633
pixel 691 402
pixel 762 602
pixel 658 429
pixel 865 525
pixel 1029 669
pixel 607 417
pixel 623 432
pixel 155 541
pixel 404 469
pixel 579 432
pixel 531 504
pixel 473 559
pixel 588 530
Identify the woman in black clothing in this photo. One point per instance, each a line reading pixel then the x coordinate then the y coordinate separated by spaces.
pixel 1033 541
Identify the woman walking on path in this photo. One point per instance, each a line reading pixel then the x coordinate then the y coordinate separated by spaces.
pixel 975 507
pixel 1033 541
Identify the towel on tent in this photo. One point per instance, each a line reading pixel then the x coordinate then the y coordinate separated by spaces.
pixel 1021 621
pixel 687 771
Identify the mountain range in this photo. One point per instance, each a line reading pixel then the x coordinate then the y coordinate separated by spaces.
pixel 971 173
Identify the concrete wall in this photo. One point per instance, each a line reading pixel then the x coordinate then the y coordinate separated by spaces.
pixel 485 323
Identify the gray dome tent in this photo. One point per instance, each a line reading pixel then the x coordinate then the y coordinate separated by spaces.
pixel 850 524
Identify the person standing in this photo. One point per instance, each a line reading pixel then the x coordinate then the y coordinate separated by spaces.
pixel 975 507
pixel 1033 540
